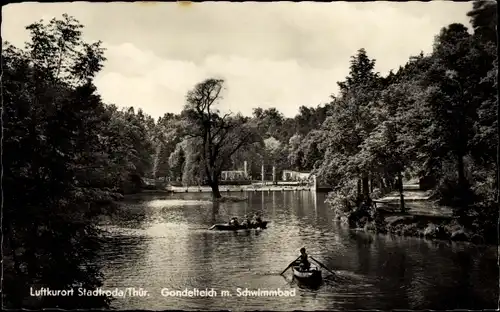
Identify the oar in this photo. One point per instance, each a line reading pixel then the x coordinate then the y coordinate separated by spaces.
pixel 322 265
pixel 290 265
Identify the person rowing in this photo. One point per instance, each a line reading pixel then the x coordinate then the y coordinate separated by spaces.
pixel 303 261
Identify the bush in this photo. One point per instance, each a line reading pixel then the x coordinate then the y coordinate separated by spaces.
pixel 475 203
pixel 343 201
pixel 380 222
pixel 377 193
pixel 370 227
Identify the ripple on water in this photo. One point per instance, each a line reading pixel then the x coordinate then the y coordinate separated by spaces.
pixel 165 243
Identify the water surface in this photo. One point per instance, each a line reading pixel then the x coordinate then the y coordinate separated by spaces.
pixel 160 242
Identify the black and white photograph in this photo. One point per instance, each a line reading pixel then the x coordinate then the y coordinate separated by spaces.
pixel 250 156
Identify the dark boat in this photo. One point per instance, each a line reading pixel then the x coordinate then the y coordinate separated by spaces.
pixel 311 277
pixel 229 227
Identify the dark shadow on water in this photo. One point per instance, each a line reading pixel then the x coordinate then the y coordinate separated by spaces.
pixel 308 286
pixel 215 211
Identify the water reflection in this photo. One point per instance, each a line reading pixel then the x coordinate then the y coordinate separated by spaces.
pixel 215 211
pixel 160 242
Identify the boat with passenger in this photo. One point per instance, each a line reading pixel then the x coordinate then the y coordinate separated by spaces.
pixel 311 276
pixel 247 224
pixel 236 227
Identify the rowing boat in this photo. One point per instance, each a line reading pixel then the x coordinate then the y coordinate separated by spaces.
pixel 230 227
pixel 310 277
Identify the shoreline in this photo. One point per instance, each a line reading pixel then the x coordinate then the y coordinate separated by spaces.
pixel 238 188
pixel 427 227
pixel 224 190
pixel 423 218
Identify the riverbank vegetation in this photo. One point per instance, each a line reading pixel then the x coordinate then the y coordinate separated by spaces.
pixel 434 118
pixel 66 154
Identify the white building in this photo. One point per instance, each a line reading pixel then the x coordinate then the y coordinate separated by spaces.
pixel 290 175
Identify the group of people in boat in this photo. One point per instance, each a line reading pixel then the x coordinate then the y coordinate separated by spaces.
pixel 255 221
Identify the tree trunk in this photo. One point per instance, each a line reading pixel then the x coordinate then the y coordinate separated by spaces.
pixel 215 190
pixel 262 174
pixel 401 196
pixel 366 188
pixel 372 181
pixel 461 172
pixel 215 211
pixel 359 189
pixel 498 156
pixel 462 147
pixel 382 185
pixel 393 184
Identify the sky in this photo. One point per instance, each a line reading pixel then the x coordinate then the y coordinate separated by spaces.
pixel 279 54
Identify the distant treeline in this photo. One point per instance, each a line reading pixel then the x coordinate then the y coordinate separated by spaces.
pixel 66 154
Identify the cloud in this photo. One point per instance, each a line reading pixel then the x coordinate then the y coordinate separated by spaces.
pixel 137 78
pixel 280 55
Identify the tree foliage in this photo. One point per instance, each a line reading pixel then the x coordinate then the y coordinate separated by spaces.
pixel 436 116
pixel 53 165
pixel 215 136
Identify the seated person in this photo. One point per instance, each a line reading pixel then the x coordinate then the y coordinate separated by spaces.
pixel 234 221
pixel 246 221
pixel 303 262
pixel 257 219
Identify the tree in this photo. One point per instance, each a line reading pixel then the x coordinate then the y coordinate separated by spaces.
pixel 484 19
pixel 435 116
pixel 307 154
pixel 218 136
pixel 272 153
pixel 455 95
pixel 486 170
pixel 130 148
pixel 270 122
pixel 53 163
pixel 177 160
pixel 351 120
pixel 166 138
pixel 310 118
pixel 253 154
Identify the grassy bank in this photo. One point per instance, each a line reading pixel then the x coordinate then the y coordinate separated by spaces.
pixel 422 226
pixel 423 217
pixel 429 227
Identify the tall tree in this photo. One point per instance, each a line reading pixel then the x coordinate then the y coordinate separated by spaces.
pixel 454 95
pixel 351 118
pixel 219 136
pixel 53 154
pixel 484 19
pixel 177 160
pixel 166 138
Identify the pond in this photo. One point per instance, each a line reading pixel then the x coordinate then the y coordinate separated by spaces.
pixel 158 242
